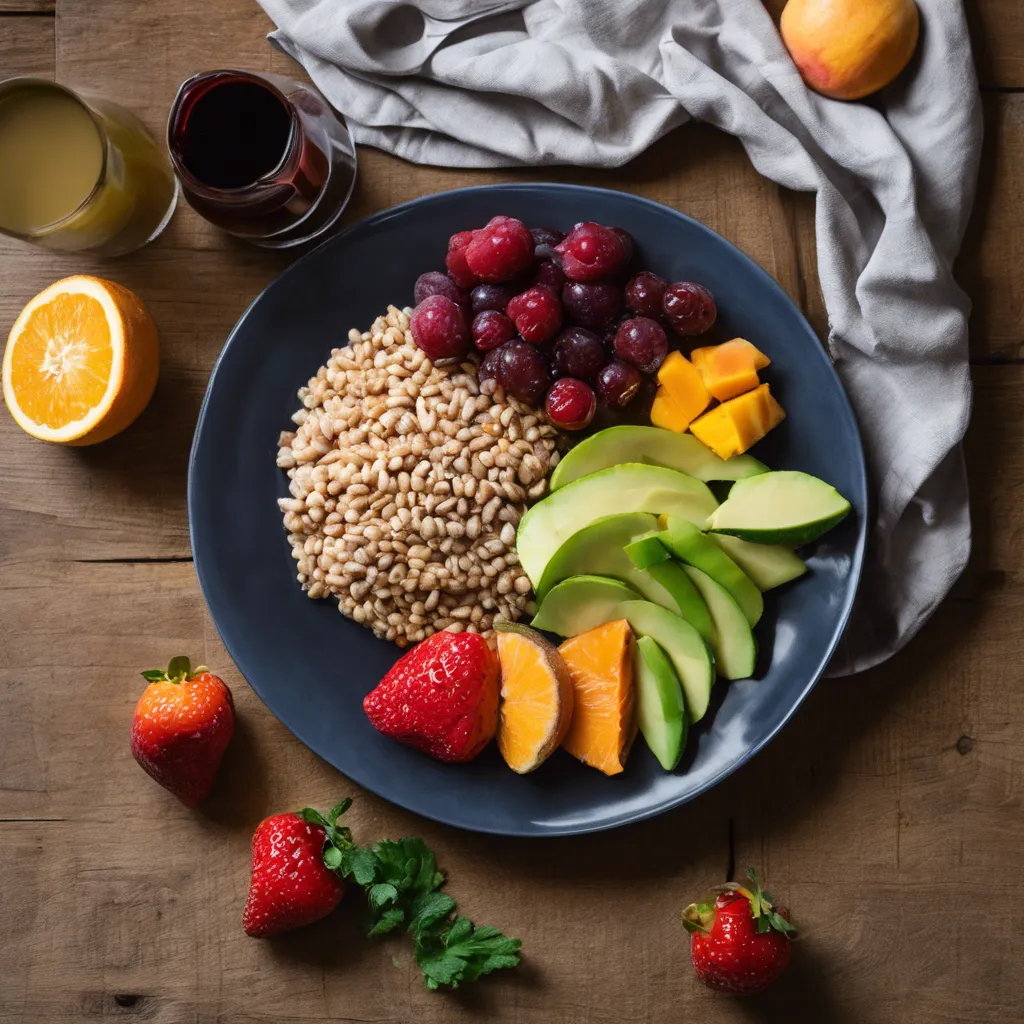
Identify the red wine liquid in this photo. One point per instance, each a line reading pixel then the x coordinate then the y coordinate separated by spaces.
pixel 234 133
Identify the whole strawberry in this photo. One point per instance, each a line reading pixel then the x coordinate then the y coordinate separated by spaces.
pixel 441 697
pixel 182 725
pixel 290 886
pixel 740 942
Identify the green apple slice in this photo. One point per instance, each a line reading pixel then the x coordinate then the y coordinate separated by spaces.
pixel 578 604
pixel 654 446
pixel 768 565
pixel 732 640
pixel 660 708
pixel 648 550
pixel 686 599
pixel 628 488
pixel 599 550
pixel 695 548
pixel 780 508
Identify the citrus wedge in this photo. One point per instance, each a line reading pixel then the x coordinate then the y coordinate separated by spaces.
pixel 81 361
pixel 536 697
pixel 600 663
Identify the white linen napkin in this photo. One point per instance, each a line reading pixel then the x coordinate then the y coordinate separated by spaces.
pixel 501 83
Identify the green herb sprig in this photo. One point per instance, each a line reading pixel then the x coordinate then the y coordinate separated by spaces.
pixel 403 890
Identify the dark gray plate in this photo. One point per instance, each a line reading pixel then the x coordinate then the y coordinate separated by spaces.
pixel 312 667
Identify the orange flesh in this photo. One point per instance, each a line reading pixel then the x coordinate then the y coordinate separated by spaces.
pixel 603 724
pixel 536 702
pixel 62 361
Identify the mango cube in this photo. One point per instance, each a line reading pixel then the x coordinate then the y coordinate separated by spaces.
pixel 729 369
pixel 736 425
pixel 681 395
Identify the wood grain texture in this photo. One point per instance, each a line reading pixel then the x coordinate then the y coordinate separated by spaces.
pixel 882 815
pixel 26 47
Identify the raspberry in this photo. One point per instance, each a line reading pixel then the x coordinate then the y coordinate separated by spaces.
pixel 500 251
pixel 537 313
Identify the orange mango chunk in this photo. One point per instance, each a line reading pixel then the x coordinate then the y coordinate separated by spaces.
pixel 600 664
pixel 736 425
pixel 729 369
pixel 681 395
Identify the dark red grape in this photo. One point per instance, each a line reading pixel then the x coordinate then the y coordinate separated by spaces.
pixel 435 283
pixel 689 308
pixel 570 404
pixel 439 328
pixel 591 251
pixel 645 292
pixel 550 273
pixel 627 244
pixel 455 261
pixel 546 236
pixel 618 384
pixel 490 366
pixel 537 313
pixel 491 329
pixel 523 371
pixel 579 353
pixel 642 343
pixel 501 250
pixel 591 305
pixel 490 296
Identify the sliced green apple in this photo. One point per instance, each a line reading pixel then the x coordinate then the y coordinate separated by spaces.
pixel 768 565
pixel 686 599
pixel 578 604
pixel 628 488
pixel 599 550
pixel 648 550
pixel 654 446
pixel 733 640
pixel 693 547
pixel 786 507
pixel 660 708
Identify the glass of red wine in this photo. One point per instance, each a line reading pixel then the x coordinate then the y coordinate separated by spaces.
pixel 261 156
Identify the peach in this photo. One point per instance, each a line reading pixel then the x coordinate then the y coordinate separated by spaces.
pixel 848 49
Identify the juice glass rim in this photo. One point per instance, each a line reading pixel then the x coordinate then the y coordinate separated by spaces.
pixel 186 175
pixel 18 81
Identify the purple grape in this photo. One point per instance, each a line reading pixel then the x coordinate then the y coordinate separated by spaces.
pixel 439 328
pixel 491 329
pixel 490 366
pixel 435 283
pixel 644 294
pixel 578 353
pixel 523 371
pixel 642 343
pixel 491 296
pixel 627 243
pixel 550 273
pixel 591 304
pixel 689 307
pixel 618 384
pixel 544 242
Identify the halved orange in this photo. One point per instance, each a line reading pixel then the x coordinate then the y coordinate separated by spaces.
pixel 81 361
pixel 536 697
pixel 600 663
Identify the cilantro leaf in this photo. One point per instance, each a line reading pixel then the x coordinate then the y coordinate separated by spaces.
pixel 430 909
pixel 461 953
pixel 387 922
pixel 359 864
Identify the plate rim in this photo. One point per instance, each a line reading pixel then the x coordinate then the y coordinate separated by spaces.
pixel 856 566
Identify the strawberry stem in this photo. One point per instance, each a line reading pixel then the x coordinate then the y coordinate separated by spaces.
pixel 179 670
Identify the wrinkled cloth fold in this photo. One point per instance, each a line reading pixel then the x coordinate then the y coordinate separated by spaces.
pixel 594 82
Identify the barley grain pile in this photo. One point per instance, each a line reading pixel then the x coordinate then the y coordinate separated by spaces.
pixel 407 483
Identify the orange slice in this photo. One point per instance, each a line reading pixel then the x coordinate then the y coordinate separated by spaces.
pixel 536 697
pixel 603 727
pixel 81 361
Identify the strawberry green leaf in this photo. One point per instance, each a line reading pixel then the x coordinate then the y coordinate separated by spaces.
pixel 763 925
pixel 359 864
pixel 338 810
pixel 780 924
pixel 314 817
pixel 332 857
pixel 154 675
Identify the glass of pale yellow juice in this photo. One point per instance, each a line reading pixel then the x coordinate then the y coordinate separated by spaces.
pixel 79 174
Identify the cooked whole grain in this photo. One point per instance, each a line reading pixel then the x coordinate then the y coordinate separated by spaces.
pixel 407 482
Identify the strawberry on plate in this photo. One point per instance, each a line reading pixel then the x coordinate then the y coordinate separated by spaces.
pixel 740 942
pixel 441 697
pixel 290 886
pixel 182 724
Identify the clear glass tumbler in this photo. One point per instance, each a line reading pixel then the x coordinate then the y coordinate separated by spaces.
pixel 260 156
pixel 79 173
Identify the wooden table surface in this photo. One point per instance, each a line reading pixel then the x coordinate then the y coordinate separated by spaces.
pixel 888 814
